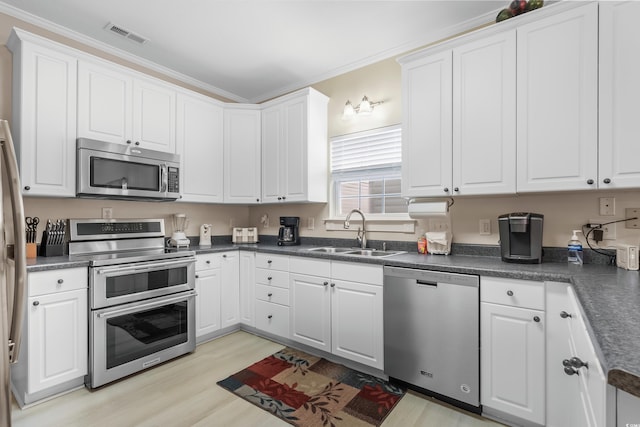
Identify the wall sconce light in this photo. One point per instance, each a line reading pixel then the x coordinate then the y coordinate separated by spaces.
pixel 365 108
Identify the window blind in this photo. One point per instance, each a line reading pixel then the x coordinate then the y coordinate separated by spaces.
pixel 370 149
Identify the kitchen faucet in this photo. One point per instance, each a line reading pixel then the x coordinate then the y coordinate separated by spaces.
pixel 361 238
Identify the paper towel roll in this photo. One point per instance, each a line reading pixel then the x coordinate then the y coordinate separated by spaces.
pixel 428 209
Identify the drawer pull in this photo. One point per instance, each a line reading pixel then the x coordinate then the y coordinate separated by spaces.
pixel 577 363
pixel 224 256
pixel 197 277
pixel 536 319
pixel 325 283
pixel 36 303
pixel 60 281
pixel 269 278
pixel 510 293
pixel 564 314
pixel 208 261
pixel 269 261
pixel 270 316
pixel 333 285
pixel 270 294
pixel 570 370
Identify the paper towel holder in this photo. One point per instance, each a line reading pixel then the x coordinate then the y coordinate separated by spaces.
pixel 425 208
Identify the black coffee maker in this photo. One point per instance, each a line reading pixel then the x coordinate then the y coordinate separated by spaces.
pixel 288 233
pixel 521 237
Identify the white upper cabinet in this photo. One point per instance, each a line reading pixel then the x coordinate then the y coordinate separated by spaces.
pixel 426 126
pixel 105 103
pixel 199 144
pixel 117 106
pixel 619 139
pixel 44 115
pixel 484 116
pixel 557 103
pixel 242 163
pixel 294 148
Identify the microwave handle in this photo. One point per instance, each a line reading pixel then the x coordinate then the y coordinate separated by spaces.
pixel 164 178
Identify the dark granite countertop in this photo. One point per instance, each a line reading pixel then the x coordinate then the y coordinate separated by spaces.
pixel 610 297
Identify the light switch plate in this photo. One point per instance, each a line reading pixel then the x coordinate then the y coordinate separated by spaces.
pixel 485 227
pixel 607 206
pixel 311 223
pixel 107 213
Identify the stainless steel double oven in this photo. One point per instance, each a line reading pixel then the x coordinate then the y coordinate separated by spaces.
pixel 142 296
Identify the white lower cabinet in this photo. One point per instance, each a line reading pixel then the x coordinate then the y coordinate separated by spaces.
pixel 339 310
pixel 272 294
pixel 577 386
pixel 218 293
pixel 247 279
pixel 512 356
pixel 54 355
pixel 628 409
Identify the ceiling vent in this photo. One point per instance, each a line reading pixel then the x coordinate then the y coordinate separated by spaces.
pixel 125 33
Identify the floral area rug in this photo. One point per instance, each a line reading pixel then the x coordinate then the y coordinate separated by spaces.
pixel 309 391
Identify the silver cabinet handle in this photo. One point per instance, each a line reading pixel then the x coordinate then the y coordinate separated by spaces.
pixel 333 285
pixel 208 261
pixel 36 303
pixel 269 278
pixel 139 268
pixel 270 316
pixel 577 363
pixel 60 281
pixel 325 283
pixel 510 293
pixel 536 319
pixel 564 314
pixel 270 294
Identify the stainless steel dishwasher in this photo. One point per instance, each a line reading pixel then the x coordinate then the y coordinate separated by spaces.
pixel 432 333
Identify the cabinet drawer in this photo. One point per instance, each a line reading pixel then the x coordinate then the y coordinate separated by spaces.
pixel 207 261
pixel 47 282
pixel 272 262
pixel 309 266
pixel 272 318
pixel 514 292
pixel 272 277
pixel 357 272
pixel 272 294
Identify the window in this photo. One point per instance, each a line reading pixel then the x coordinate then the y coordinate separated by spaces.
pixel 366 173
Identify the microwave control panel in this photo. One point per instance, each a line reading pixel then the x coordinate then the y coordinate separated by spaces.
pixel 174 181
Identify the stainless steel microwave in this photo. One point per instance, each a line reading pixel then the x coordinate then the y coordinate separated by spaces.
pixel 118 171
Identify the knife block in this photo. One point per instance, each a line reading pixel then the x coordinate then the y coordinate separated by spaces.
pixel 49 249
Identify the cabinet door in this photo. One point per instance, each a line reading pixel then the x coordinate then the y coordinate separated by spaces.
pixel 484 116
pixel 427 126
pixel 311 311
pixel 564 403
pixel 104 103
pixel 199 144
pixel 272 162
pixel 512 358
pixel 57 334
pixel 357 322
pixel 230 289
pixel 45 133
pixel 247 280
pixel 154 115
pixel 557 101
pixel 294 182
pixel 208 301
pixel 242 164
pixel 619 93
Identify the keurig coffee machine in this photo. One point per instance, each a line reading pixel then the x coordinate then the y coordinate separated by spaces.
pixel 288 233
pixel 521 237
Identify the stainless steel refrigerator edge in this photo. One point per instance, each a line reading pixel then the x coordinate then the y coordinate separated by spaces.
pixel 432 333
pixel 12 294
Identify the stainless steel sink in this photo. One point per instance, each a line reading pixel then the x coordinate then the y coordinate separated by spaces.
pixel 356 252
pixel 373 253
pixel 330 250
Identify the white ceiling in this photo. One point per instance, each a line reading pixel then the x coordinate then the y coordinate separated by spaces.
pixel 252 50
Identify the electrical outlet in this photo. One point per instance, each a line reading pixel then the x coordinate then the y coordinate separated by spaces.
pixel 607 206
pixel 485 227
pixel 311 223
pixel 632 213
pixel 232 222
pixel 107 213
pixel 438 225
pixel 608 231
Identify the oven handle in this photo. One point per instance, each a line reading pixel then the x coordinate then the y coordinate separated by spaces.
pixel 146 267
pixel 139 307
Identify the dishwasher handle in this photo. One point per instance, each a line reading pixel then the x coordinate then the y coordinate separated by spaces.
pixel 425 283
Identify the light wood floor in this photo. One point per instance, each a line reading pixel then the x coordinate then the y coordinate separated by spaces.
pixel 183 392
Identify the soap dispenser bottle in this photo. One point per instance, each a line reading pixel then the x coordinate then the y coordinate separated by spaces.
pixel 574 248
